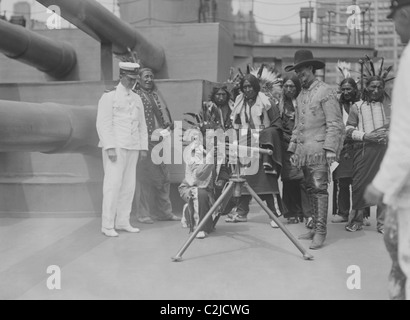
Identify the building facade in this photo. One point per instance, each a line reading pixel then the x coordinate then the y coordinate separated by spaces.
pixel 337 24
pixel 241 26
pixel 160 12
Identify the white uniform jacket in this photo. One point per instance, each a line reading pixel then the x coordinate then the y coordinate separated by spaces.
pixel 393 178
pixel 121 120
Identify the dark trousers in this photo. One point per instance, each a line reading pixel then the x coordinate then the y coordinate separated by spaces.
pixel 357 216
pixel 152 196
pixel 295 199
pixel 242 208
pixel 341 196
pixel 228 204
pixel 204 204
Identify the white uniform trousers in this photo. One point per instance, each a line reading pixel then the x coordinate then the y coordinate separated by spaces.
pixel 403 215
pixel 397 240
pixel 118 188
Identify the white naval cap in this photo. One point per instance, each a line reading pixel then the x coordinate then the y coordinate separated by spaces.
pixel 129 68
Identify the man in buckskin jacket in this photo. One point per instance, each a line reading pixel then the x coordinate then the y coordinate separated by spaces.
pixel 317 139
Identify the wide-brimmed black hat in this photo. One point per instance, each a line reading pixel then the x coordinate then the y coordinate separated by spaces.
pixel 396 5
pixel 305 58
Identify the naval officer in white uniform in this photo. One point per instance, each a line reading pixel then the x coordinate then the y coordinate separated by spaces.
pixel 123 137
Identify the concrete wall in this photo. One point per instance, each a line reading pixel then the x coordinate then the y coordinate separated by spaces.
pixel 36 183
pixel 225 55
pixel 194 51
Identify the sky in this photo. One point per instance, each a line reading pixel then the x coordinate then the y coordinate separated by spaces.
pixel 274 18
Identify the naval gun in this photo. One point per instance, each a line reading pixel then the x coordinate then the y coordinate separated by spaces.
pixel 102 25
pixel 47 127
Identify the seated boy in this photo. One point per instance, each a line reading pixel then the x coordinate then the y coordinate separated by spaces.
pixel 197 188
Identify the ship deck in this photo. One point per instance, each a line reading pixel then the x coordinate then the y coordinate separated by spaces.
pixel 243 261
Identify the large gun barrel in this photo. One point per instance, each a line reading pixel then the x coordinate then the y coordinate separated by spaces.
pixel 104 26
pixel 47 127
pixel 55 58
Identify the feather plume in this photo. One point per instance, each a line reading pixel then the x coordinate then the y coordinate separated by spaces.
pixel 386 72
pixel 261 70
pixel 341 71
pixel 204 120
pixel 381 67
pixel 196 116
pixel 373 70
pixel 231 71
pixel 199 118
pixel 344 69
pixel 190 114
pixel 190 122
pixel 236 78
pixel 131 56
pixel 368 70
pixel 269 80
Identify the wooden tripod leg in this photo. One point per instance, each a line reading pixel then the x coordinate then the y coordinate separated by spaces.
pixel 208 215
pixel 306 255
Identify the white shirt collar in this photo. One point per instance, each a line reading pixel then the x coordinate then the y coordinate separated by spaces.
pixel 122 89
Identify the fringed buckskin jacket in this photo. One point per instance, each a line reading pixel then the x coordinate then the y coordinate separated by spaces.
pixel 319 125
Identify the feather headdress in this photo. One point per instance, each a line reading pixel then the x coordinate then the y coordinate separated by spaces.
pixel 344 68
pixel 131 56
pixel 235 78
pixel 202 121
pixel 369 72
pixel 205 119
pixel 268 79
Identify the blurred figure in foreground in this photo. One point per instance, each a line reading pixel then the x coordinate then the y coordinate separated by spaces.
pixel 392 183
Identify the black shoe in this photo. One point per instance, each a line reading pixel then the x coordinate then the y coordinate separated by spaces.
pixel 354 227
pixel 293 220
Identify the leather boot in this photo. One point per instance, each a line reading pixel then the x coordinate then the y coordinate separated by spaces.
pixel 307 236
pixel 313 204
pixel 321 223
pixel 322 201
pixel 318 241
